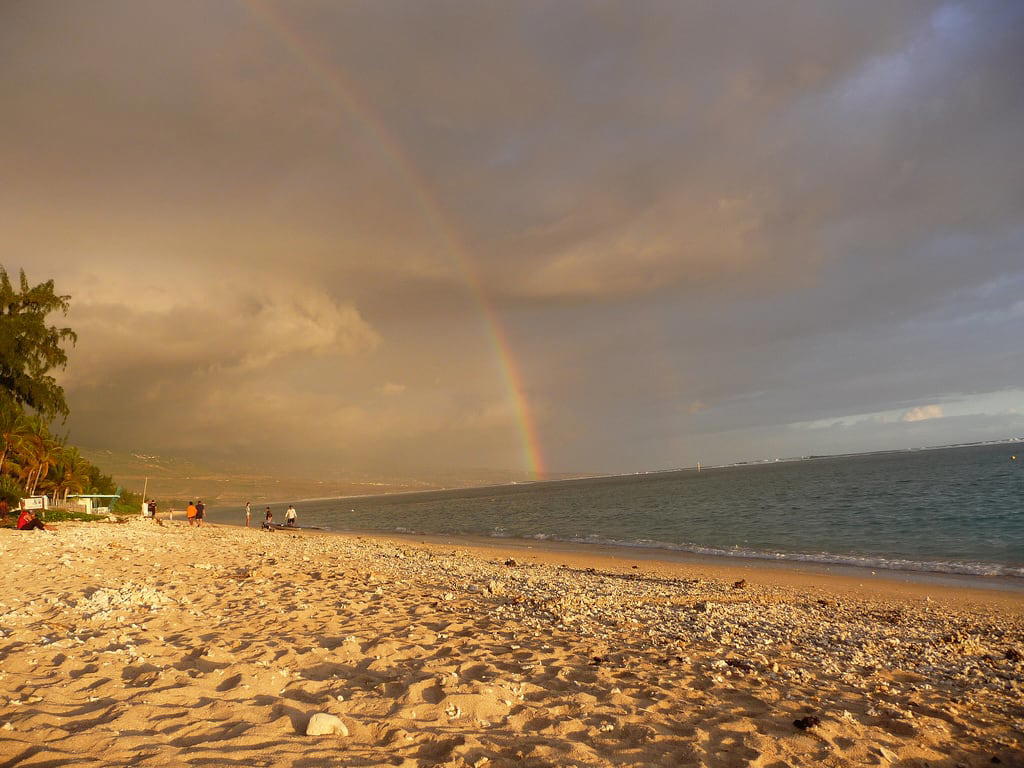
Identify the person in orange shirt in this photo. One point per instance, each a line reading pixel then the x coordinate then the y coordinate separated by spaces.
pixel 191 513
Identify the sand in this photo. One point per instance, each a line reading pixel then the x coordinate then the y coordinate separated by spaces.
pixel 146 645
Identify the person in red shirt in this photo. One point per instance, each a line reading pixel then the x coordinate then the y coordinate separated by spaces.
pixel 27 521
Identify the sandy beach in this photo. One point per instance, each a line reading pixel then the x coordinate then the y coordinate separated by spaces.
pixel 142 645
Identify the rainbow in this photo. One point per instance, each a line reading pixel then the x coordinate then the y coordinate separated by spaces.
pixel 332 79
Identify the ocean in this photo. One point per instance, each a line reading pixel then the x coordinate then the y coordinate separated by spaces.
pixel 953 510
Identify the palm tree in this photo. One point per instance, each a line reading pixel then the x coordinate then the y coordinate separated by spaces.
pixel 43 450
pixel 71 473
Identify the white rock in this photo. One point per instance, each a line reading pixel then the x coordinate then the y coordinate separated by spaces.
pixel 322 724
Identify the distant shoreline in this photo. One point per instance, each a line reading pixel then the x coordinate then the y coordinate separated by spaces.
pixel 563 478
pixel 748 464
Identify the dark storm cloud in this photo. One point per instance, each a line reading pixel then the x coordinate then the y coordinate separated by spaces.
pixel 700 223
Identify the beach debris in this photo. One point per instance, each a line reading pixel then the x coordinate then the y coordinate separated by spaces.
pixel 495 587
pixel 101 601
pixel 323 724
pixel 806 723
pixel 511 563
pixel 740 664
pixel 741 584
pixel 1012 654
pixel 883 753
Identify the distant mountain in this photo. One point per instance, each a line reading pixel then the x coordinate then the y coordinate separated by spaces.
pixel 173 479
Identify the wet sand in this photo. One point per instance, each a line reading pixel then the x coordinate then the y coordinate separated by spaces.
pixel 143 645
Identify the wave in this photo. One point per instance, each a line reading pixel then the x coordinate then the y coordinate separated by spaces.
pixel 826 558
pixel 967 568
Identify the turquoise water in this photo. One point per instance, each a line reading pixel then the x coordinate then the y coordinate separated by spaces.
pixel 958 510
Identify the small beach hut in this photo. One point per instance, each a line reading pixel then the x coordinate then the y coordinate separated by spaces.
pixel 94 503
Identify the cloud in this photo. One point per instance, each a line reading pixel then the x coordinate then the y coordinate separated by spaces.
pixel 685 228
pixel 239 333
pixel 690 240
pixel 924 413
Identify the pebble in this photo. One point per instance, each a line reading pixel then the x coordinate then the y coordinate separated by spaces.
pixel 323 724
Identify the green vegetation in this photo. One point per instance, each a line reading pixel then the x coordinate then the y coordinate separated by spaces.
pixel 29 348
pixel 130 503
pixel 34 460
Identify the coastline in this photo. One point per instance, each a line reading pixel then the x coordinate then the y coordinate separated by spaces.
pixel 1005 591
pixel 784 569
pixel 911 513
pixel 148 645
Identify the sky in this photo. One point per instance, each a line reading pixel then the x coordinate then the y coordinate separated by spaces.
pixel 396 237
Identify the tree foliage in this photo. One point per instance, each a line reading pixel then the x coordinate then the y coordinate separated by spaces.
pixel 29 348
pixel 33 460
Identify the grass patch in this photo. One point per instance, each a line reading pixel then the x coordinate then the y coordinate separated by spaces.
pixel 61 515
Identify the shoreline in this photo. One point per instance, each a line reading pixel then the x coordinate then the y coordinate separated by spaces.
pixel 888 583
pixel 718 562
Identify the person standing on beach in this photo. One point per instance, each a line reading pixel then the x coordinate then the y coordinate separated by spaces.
pixel 248 513
pixel 200 512
pixel 5 509
pixel 191 513
pixel 290 515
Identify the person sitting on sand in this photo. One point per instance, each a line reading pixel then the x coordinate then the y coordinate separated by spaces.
pixel 290 515
pixel 191 513
pixel 268 520
pixel 27 521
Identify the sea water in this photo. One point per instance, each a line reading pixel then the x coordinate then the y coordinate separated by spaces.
pixel 956 510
